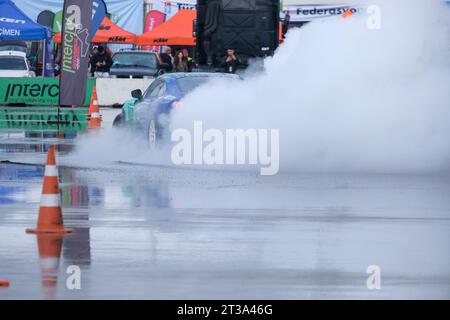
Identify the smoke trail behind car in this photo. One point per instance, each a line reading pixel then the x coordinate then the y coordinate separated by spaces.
pixel 346 97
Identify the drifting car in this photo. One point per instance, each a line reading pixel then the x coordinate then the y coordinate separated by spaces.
pixel 149 112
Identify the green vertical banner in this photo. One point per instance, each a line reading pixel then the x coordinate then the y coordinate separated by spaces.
pixel 57 22
pixel 35 91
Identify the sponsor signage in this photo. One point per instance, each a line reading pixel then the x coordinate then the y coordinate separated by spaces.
pixel 9 20
pixel 12 31
pixel 47 119
pixel 9 32
pixel 77 22
pixel 160 40
pixel 313 12
pixel 36 91
pixel 154 19
pixel 117 39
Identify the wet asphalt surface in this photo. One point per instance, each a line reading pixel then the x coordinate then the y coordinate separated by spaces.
pixel 150 232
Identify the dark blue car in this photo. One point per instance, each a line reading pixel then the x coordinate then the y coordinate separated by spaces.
pixel 149 112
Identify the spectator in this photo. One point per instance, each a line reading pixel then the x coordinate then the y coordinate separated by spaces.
pixel 167 58
pixel 102 62
pixel 180 64
pixel 91 62
pixel 189 60
pixel 231 62
pixel 108 51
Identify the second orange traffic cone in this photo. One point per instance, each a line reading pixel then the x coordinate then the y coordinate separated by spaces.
pixel 94 118
pixel 50 218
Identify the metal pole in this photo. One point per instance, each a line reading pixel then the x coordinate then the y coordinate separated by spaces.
pixel 43 57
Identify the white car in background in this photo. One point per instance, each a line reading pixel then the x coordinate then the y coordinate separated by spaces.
pixel 14 64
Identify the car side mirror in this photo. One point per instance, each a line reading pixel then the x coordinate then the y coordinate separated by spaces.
pixel 137 94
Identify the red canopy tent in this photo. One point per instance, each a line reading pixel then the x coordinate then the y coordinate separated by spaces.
pixel 108 32
pixel 177 31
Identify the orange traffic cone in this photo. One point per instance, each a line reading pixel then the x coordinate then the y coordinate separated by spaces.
pixel 50 217
pixel 4 283
pixel 93 116
pixel 94 101
pixel 49 246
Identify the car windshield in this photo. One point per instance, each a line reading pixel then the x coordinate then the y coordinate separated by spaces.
pixel 13 47
pixel 188 84
pixel 12 63
pixel 135 60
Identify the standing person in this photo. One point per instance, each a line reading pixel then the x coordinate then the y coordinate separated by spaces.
pixel 231 62
pixel 179 64
pixel 108 51
pixel 91 60
pixel 189 60
pixel 103 62
pixel 167 58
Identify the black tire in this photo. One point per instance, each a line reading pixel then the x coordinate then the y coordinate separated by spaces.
pixel 155 134
pixel 119 121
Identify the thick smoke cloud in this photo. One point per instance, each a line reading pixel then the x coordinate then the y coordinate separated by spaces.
pixel 345 97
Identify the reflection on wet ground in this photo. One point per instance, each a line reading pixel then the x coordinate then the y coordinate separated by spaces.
pixel 12 141
pixel 159 233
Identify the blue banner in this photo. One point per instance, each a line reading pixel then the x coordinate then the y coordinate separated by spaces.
pixel 98 14
pixel 49 62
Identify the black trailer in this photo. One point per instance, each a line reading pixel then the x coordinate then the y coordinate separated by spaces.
pixel 250 27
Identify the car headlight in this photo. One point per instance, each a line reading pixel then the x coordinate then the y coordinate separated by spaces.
pixel 177 105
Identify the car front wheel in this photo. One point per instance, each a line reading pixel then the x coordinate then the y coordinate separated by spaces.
pixel 119 121
pixel 152 135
